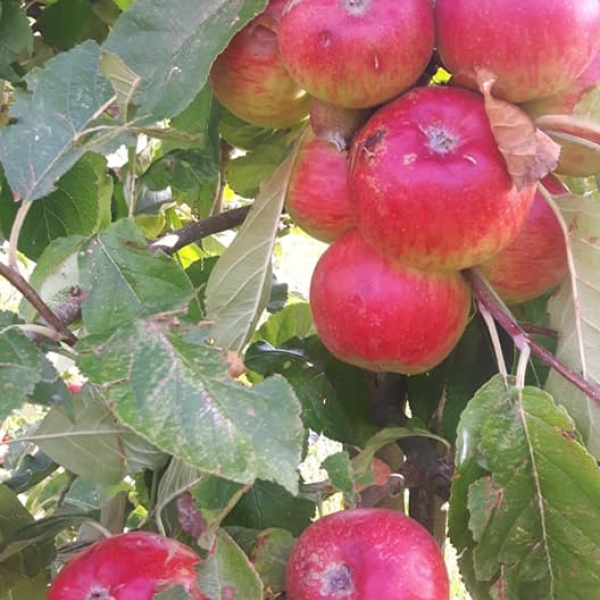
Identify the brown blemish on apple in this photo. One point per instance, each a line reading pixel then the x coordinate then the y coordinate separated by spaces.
pixel 373 143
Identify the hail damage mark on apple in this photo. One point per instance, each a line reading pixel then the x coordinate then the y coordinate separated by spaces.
pixel 337 581
pixel 373 143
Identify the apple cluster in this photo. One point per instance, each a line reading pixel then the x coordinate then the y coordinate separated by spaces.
pixel 404 176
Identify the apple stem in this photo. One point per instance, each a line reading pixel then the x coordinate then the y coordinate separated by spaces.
pixel 505 319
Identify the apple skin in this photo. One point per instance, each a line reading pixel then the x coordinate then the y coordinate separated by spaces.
pixel 535 261
pixel 250 79
pixel 366 554
pixel 318 198
pixel 429 184
pixel 382 316
pixel 534 47
pixel 130 566
pixel 357 53
pixel 575 159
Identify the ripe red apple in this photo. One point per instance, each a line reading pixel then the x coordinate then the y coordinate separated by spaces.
pixel 535 261
pixel 535 48
pixel 356 53
pixel 429 184
pixel 366 554
pixel 250 79
pixel 579 157
pixel 383 316
pixel 318 199
pixel 130 566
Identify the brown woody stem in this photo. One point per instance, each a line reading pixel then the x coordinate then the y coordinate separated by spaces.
pixel 507 322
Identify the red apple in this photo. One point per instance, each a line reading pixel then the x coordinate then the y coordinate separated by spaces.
pixel 535 261
pixel 580 155
pixel 250 79
pixel 430 187
pixel 357 53
pixel 131 566
pixel 318 199
pixel 535 48
pixel 366 554
pixel 383 316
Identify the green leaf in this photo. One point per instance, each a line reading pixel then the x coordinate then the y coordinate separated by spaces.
pixel 62 22
pixel 270 554
pixel 333 394
pixel 574 313
pixel 340 472
pixel 169 384
pixel 238 287
pixel 80 205
pixel 268 505
pixel 123 281
pixel 61 102
pixel 21 563
pixel 528 492
pixel 227 572
pixel 294 320
pixel 203 500
pixel 88 444
pixel 16 36
pixel 185 38
pixel 20 367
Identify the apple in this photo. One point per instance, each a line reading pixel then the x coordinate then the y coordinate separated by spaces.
pixel 356 53
pixel 384 316
pixel 250 79
pixel 366 554
pixel 535 261
pixel 579 156
pixel 430 186
pixel 130 566
pixel 317 198
pixel 534 48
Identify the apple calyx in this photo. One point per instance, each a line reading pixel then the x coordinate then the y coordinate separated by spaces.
pixel 356 7
pixel 338 581
pixel 440 140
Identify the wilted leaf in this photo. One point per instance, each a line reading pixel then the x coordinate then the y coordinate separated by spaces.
pixel 185 37
pixel 238 286
pixel 524 498
pixel 169 384
pixel 61 102
pixel 574 313
pixel 122 280
pixel 227 572
pixel 529 153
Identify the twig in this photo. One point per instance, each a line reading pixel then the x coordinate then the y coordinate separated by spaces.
pixel 176 240
pixel 520 336
pixel 21 284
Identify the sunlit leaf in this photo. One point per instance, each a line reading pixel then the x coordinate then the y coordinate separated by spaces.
pixel 524 503
pixel 574 313
pixel 61 102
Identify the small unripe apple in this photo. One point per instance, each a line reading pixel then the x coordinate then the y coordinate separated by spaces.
pixel 384 316
pixel 357 53
pixel 535 261
pixel 430 186
pixel 318 198
pixel 366 554
pixel 580 148
pixel 535 48
pixel 250 79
